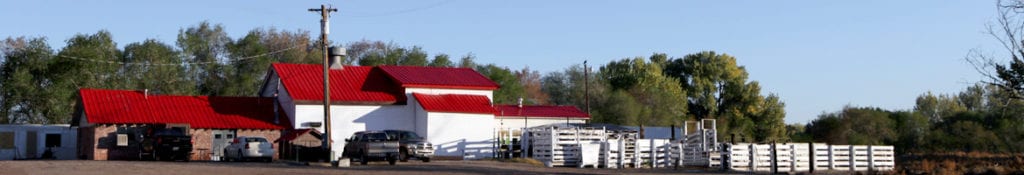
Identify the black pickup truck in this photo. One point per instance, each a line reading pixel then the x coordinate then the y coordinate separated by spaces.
pixel 160 143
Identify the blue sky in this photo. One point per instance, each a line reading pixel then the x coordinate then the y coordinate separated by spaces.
pixel 818 56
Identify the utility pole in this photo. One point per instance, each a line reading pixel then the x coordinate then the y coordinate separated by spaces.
pixel 324 29
pixel 586 87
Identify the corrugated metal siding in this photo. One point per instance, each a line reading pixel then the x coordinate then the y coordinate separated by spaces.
pixel 455 103
pixel 540 111
pixel 134 107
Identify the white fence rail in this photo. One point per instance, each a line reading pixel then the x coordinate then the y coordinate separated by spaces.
pixel 803 157
pixel 601 148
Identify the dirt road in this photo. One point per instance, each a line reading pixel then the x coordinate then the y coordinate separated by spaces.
pixel 85 167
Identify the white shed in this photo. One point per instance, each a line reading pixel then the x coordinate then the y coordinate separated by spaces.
pixel 32 141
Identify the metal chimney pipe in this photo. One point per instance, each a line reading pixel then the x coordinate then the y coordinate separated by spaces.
pixel 336 53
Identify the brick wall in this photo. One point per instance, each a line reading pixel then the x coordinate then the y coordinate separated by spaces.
pixel 102 140
pixel 201 144
pixel 99 142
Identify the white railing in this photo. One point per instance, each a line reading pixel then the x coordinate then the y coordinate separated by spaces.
pixel 803 157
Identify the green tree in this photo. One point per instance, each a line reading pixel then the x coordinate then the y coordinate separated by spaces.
pixel 247 72
pixel 510 90
pixel 468 61
pixel 663 98
pixel 718 89
pixel 441 60
pixel 206 44
pixel 156 66
pixel 22 80
pixel 95 67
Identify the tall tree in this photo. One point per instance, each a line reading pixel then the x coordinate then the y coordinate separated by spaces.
pixel 206 45
pixel 531 82
pixel 22 82
pixel 662 97
pixel 94 66
pixel 718 89
pixel 156 66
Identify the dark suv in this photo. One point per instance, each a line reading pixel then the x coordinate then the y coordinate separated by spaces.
pixel 412 145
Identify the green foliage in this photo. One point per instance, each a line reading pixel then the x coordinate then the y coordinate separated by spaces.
pixel 22 92
pixel 206 43
pixel 511 90
pixel 718 89
pixel 374 53
pixel 441 60
pixel 979 119
pixel 663 100
pixel 152 67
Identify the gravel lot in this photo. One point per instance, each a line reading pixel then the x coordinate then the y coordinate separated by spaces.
pixel 86 167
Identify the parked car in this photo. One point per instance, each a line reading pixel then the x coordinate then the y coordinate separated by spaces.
pixel 249 148
pixel 162 143
pixel 371 145
pixel 411 145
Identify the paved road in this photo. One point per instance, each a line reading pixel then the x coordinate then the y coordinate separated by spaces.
pixel 85 167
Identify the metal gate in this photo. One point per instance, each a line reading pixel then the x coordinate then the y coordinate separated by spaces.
pixel 221 139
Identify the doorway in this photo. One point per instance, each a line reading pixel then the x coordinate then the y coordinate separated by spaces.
pixel 221 140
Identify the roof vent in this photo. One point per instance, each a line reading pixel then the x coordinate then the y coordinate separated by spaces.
pixel 335 54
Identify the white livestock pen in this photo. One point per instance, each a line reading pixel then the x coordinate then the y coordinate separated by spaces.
pixel 601 147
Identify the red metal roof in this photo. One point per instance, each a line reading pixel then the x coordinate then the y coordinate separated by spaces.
pixel 455 103
pixel 439 77
pixel 540 111
pixel 359 84
pixel 292 135
pixel 135 107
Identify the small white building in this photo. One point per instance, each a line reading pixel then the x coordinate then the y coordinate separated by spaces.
pixel 32 141
pixel 447 106
pixel 516 117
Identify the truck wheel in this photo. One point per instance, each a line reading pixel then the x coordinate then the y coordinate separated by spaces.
pixel 403 155
pixel 392 160
pixel 425 159
pixel 362 159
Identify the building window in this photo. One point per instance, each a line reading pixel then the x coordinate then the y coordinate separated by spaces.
pixel 6 140
pixel 52 140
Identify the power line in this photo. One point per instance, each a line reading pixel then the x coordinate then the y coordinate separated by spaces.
pixel 176 64
pixel 428 6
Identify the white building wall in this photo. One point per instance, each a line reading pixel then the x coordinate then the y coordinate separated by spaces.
pixel 517 123
pixel 461 135
pixel 488 93
pixel 348 119
pixel 66 151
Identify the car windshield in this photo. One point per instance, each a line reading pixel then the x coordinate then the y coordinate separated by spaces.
pixel 403 135
pixel 376 136
pixel 255 139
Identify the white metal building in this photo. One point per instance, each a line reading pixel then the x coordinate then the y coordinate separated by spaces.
pixel 445 105
pixel 32 141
